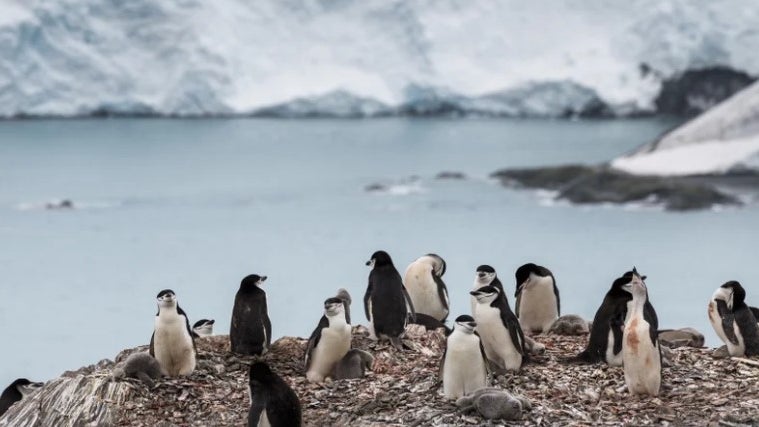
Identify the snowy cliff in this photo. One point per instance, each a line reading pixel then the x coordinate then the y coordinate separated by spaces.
pixel 302 57
pixel 722 139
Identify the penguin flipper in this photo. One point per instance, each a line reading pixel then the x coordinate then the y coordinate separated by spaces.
pixel 617 326
pixel 556 293
pixel 482 353
pixel 193 335
pixel 256 409
pixel 367 296
pixel 441 369
pixel 267 322
pixel 727 321
pixel 152 349
pixel 755 312
pixel 409 305
pixel 442 291
pixel 396 342
pixel 314 339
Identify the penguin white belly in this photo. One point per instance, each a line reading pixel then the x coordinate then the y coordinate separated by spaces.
pixel 611 358
pixel 716 321
pixel 422 289
pixel 333 345
pixel 172 345
pixel 496 340
pixel 537 305
pixel 464 370
pixel 642 362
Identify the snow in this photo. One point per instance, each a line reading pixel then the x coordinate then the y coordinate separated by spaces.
pixel 193 57
pixel 723 138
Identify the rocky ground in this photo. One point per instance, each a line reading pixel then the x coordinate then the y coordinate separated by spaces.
pixel 403 389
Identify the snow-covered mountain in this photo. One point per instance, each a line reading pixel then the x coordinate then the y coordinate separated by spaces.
pixel 724 138
pixel 195 57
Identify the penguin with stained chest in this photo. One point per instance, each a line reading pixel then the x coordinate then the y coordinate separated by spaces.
pixel 386 303
pixel 733 320
pixel 499 329
pixel 329 342
pixel 250 330
pixel 537 298
pixel 485 275
pixel 272 402
pixel 425 286
pixel 641 353
pixel 16 391
pixel 605 340
pixel 463 367
pixel 172 343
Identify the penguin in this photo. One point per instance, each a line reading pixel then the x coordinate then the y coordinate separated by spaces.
pixel 272 402
pixel 16 391
pixel 139 365
pixel 424 282
pixel 484 276
pixel 172 343
pixel 463 367
pixel 250 330
pixel 353 365
pixel 733 320
pixel 343 294
pixel 329 342
pixel 387 305
pixel 430 323
pixel 537 298
pixel 501 335
pixel 203 328
pixel 605 341
pixel 640 345
pixel 494 404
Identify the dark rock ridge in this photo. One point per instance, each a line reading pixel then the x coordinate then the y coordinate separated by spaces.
pixel 581 184
pixel 695 91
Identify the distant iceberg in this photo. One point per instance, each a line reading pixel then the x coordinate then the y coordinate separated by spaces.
pixel 723 139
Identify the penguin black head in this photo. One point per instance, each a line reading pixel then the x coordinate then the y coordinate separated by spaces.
pixel 260 373
pixel 203 327
pixel 333 306
pixel 440 267
pixel 465 323
pixel 203 322
pixel 485 274
pixel 485 294
pixel 24 386
pixel 166 298
pixel 379 259
pixel 732 293
pixel 252 280
pixel 523 272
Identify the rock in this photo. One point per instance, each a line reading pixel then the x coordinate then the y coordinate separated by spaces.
pixel 695 91
pixel 569 324
pixel 450 175
pixel 721 353
pixel 375 187
pixel 549 178
pixel 674 338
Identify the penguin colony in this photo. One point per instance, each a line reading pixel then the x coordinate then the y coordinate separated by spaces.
pixel 490 340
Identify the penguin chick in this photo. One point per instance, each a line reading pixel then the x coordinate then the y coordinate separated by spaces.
pixel 494 403
pixel 353 365
pixel 569 324
pixel 343 294
pixel 140 365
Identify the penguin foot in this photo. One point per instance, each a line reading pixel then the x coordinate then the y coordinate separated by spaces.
pixel 397 343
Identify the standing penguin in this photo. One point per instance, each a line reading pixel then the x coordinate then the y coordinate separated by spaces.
pixel 424 282
pixel 733 320
pixel 537 298
pixel 640 348
pixel 172 343
pixel 485 276
pixel 605 341
pixel 464 364
pixel 250 331
pixel 16 391
pixel 386 302
pixel 272 402
pixel 329 342
pixel 499 329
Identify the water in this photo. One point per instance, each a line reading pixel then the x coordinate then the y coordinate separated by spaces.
pixel 196 205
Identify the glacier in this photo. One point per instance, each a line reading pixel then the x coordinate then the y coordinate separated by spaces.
pixel 358 58
pixel 723 139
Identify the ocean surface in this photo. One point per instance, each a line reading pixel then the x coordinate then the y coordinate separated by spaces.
pixel 195 205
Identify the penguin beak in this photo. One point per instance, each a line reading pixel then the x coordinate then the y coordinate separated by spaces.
pixel 472 324
pixel 263 279
pixel 369 262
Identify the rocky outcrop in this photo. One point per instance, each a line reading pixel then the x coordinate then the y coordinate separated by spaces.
pixel 695 91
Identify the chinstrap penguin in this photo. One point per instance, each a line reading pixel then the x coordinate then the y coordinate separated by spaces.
pixel 272 401
pixel 386 303
pixel 425 286
pixel 499 329
pixel 485 275
pixel 16 391
pixel 605 340
pixel 203 328
pixel 353 365
pixel 537 298
pixel 329 342
pixel 250 330
pixel 172 343
pixel 139 365
pixel 733 320
pixel 640 347
pixel 463 367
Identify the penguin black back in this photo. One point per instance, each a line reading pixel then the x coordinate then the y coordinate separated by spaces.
pixel 250 329
pixel 272 398
pixel 386 303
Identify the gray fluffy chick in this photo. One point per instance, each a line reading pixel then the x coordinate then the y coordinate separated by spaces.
pixel 494 404
pixel 346 297
pixel 353 365
pixel 141 365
